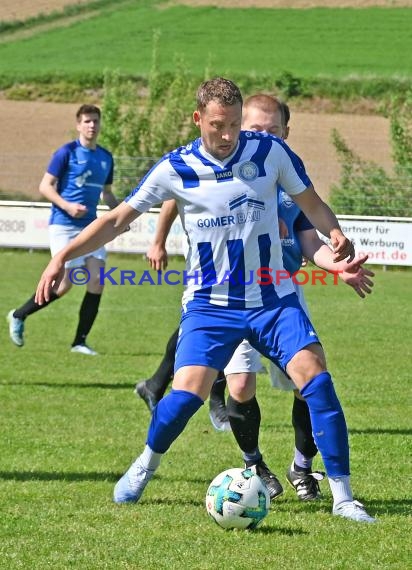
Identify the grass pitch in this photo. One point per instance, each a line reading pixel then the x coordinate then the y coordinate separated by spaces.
pixel 70 426
pixel 318 42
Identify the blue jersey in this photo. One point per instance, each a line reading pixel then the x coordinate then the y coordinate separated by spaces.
pixel 228 210
pixel 82 173
pixel 296 221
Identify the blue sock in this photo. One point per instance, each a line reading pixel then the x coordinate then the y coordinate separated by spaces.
pixel 170 417
pixel 328 424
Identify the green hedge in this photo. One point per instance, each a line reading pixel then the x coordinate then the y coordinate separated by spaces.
pixel 67 88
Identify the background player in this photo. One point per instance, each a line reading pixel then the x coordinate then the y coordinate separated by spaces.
pixel 266 113
pixel 79 173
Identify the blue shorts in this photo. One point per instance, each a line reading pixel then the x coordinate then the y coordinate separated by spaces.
pixel 209 334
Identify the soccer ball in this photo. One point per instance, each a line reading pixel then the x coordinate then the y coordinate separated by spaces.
pixel 237 498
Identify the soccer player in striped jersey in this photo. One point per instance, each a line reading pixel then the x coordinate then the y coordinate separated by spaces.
pixel 261 112
pixel 225 185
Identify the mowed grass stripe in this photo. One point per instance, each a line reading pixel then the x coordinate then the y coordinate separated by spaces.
pixel 314 42
pixel 70 425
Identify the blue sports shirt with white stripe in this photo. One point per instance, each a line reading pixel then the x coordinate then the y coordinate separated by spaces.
pixel 82 174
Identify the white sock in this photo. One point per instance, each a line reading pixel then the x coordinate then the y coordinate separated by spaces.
pixel 341 489
pixel 149 459
pixel 302 461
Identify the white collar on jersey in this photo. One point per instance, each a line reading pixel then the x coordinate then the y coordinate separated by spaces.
pixel 210 157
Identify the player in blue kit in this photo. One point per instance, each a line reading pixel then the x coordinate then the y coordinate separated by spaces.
pixel 265 113
pixel 78 174
pixel 229 174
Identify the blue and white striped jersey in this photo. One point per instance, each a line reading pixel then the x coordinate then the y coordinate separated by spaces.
pixel 82 173
pixel 229 214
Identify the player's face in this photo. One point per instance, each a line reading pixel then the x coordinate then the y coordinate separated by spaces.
pixel 255 119
pixel 88 127
pixel 219 128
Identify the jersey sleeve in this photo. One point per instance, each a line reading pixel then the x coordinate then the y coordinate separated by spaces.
pixel 154 188
pixel 292 173
pixel 59 162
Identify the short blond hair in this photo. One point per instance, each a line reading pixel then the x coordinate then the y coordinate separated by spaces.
pixel 268 104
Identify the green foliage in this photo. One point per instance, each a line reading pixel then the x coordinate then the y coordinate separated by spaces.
pixel 365 187
pixel 290 86
pixel 146 128
pixel 401 132
pixel 71 426
pixel 365 87
pixel 58 87
pixel 69 87
pixel 58 91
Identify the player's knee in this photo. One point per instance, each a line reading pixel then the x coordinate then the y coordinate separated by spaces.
pixel 94 285
pixel 242 386
pixel 197 380
pixel 64 287
pixel 306 364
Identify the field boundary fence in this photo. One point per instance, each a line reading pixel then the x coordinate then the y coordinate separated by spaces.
pixel 386 240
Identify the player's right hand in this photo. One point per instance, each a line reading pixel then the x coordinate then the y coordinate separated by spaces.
pixel 342 246
pixel 49 280
pixel 76 210
pixel 157 257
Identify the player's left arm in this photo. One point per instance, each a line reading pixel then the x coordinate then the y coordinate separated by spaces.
pixel 351 272
pixel 107 194
pixel 322 218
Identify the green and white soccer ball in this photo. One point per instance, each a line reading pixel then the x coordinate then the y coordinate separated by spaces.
pixel 237 498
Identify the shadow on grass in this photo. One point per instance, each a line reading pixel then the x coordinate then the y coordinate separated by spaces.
pixel 87 476
pixel 279 530
pixel 375 507
pixel 101 385
pixel 399 507
pixel 282 427
pixel 50 476
pixel 172 501
pixel 387 431
pixel 381 507
pixel 178 501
